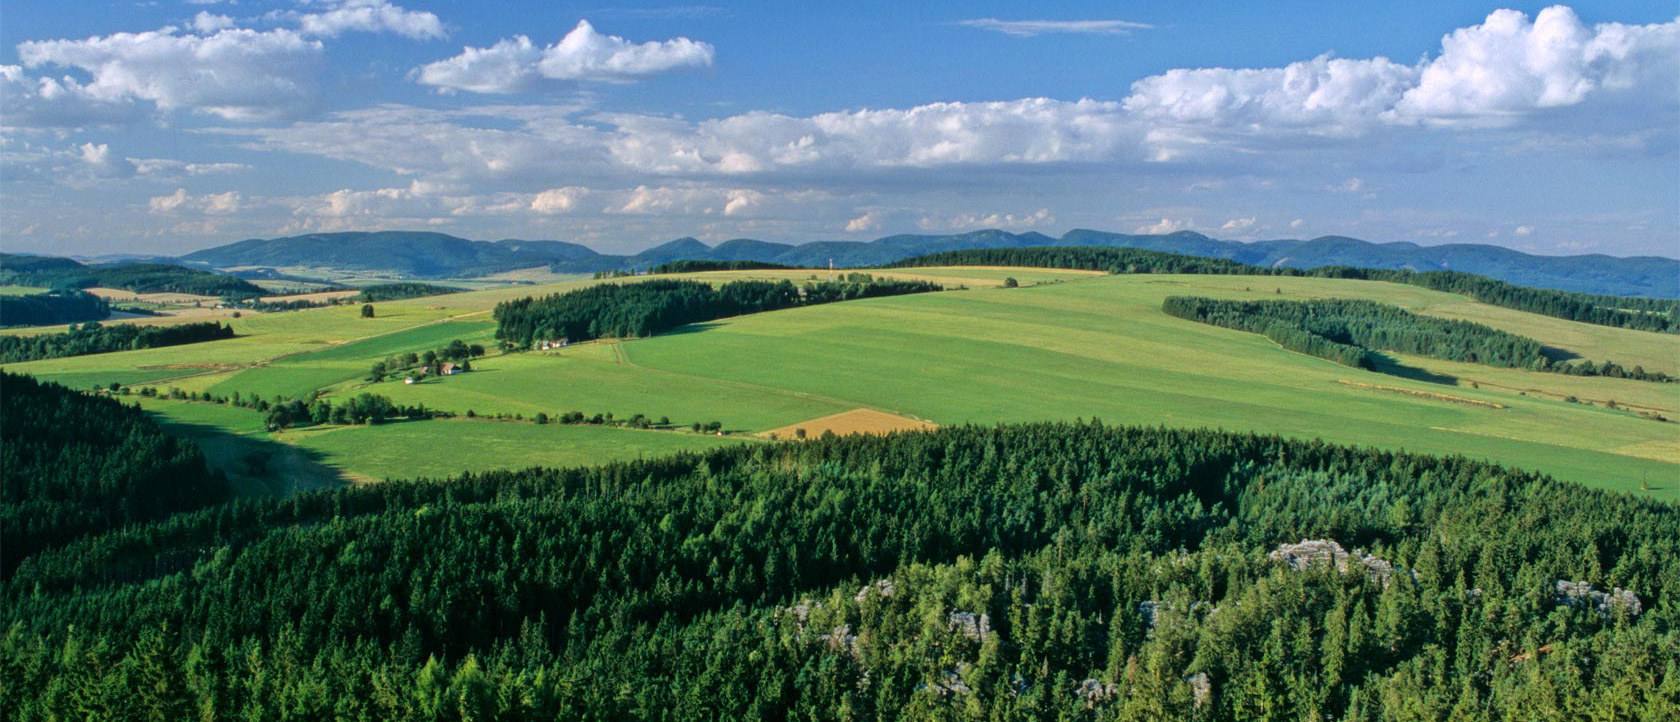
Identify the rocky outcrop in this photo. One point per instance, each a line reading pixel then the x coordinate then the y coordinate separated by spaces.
pixel 1582 594
pixel 1327 552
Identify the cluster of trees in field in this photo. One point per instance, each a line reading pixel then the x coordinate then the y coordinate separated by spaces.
pixel 427 362
pixel 626 310
pixel 1346 331
pixel 579 418
pixel 401 290
pixel 363 408
pixel 1043 571
pixel 1610 369
pixel 91 338
pixel 52 308
pixel 73 465
pixel 1342 330
pixel 281 413
pixel 296 304
pixel 698 266
pixel 64 273
pixel 1644 314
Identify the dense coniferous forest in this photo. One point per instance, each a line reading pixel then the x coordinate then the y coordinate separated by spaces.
pixel 402 290
pixel 96 338
pixel 52 308
pixel 1643 314
pixel 136 277
pixel 1346 331
pixel 699 266
pixel 1360 325
pixel 1044 571
pixel 625 310
pixel 73 465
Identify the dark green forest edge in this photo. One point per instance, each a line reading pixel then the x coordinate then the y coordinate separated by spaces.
pixel 1043 571
pixel 1349 332
pixel 1643 314
pixel 93 338
pixel 73 465
pixel 63 273
pixel 52 308
pixel 631 310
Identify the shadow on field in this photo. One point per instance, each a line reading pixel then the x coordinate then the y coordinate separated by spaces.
pixel 1558 355
pixel 256 466
pixel 1385 364
pixel 691 328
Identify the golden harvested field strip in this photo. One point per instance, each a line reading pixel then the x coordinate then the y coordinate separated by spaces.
pixel 1423 394
pixel 856 421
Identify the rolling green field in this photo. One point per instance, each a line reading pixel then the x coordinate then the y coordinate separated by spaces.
pixel 1065 345
pixel 409 449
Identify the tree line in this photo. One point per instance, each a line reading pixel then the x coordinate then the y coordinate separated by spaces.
pixel 369 294
pixel 629 310
pixel 92 337
pixel 401 290
pixel 1347 331
pixel 282 413
pixel 699 266
pixel 73 464
pixel 52 308
pixel 1052 571
pixel 1643 314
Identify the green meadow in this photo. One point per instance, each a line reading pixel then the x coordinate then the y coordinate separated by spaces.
pixel 446 447
pixel 1063 345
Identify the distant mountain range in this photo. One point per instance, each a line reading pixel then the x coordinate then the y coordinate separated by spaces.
pixel 437 255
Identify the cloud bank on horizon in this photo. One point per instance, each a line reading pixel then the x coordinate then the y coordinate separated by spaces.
pixel 1541 131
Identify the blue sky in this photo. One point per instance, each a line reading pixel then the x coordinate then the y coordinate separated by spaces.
pixel 161 127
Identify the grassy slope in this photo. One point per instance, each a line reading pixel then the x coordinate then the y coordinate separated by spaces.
pixel 1077 345
pixel 411 449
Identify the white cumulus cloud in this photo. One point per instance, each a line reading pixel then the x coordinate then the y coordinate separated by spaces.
pixel 237 74
pixel 1167 225
pixel 870 221
pixel 221 204
pixel 1493 73
pixel 1238 225
pixel 206 22
pixel 516 63
pixel 1334 96
pixel 370 16
pixel 557 200
pixel 1508 66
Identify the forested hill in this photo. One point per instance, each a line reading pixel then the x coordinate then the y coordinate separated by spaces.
pixel 437 255
pixel 73 464
pixel 64 273
pixel 1031 572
